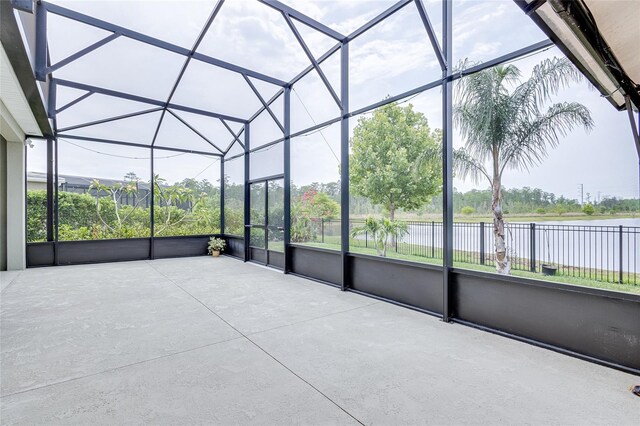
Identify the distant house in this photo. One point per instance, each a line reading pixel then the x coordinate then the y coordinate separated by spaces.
pixel 81 185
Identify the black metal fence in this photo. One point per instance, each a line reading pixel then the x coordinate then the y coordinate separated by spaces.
pixel 601 253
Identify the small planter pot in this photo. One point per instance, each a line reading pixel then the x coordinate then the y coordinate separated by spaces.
pixel 215 253
pixel 549 270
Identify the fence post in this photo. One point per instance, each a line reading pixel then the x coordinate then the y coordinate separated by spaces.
pixel 366 239
pixel 433 242
pixel 532 246
pixel 482 249
pixel 322 228
pixel 620 247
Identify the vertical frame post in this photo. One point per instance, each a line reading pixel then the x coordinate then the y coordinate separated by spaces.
pixel 532 247
pixel 50 188
pixel 287 179
pixel 344 164
pixel 447 160
pixel 152 187
pixel 266 223
pixel 482 244
pixel 620 250
pixel 247 193
pixel 51 100
pixel 41 41
pixel 56 208
pixel 222 184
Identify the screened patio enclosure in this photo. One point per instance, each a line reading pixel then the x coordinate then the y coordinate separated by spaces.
pixel 207 122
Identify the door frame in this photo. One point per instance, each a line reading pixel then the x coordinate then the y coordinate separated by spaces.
pixel 265 225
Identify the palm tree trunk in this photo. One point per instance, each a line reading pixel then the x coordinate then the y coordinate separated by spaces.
pixel 503 265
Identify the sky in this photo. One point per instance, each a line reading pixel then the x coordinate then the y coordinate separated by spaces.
pixel 389 59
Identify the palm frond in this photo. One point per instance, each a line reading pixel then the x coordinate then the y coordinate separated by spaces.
pixel 532 138
pixel 466 165
pixel 482 108
pixel 547 78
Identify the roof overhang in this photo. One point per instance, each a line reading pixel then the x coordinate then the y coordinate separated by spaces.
pixel 22 106
pixel 600 37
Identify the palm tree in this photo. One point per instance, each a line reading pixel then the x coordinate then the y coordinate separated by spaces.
pixel 506 124
pixel 380 231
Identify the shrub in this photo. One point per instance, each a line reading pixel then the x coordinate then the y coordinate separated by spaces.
pixel 467 210
pixel 36 216
pixel 588 209
pixel 541 211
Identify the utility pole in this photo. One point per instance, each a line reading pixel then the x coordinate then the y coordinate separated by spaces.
pixel 581 189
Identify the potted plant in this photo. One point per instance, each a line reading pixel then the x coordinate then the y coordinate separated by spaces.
pixel 548 268
pixel 216 245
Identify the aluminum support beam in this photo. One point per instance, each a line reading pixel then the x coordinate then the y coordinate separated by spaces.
pixel 41 42
pixel 315 63
pixel 222 185
pixel 194 130
pixel 79 54
pixel 447 161
pixel 432 35
pixel 236 138
pixel 344 165
pixel 152 228
pixel 297 78
pixel 375 21
pixel 287 179
pixel 310 22
pixel 73 102
pixel 204 30
pixel 135 145
pixel 51 100
pixel 56 204
pixel 142 99
pixel 108 120
pixel 50 188
pixel 247 193
pixel 264 103
pixel 134 35
pixel 632 121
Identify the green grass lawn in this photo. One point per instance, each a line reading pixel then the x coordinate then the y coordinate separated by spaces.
pixel 356 246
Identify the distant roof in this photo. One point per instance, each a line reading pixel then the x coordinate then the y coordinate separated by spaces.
pixel 78 180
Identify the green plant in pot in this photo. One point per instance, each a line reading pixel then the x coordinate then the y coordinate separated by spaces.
pixel 216 245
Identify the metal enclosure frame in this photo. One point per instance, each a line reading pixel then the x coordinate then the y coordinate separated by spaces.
pixel 440 291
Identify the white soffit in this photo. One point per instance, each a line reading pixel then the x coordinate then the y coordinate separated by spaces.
pixel 14 99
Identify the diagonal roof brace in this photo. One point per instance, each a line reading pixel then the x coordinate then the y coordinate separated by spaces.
pixel 81 53
pixel 203 32
pixel 376 20
pixel 315 63
pixel 632 120
pixel 303 18
pixel 134 35
pixel 236 138
pixel 432 36
pixel 136 98
pixel 194 130
pixel 108 120
pixel 73 102
pixel 264 103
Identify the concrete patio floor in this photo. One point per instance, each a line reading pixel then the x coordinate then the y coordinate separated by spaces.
pixel 217 341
